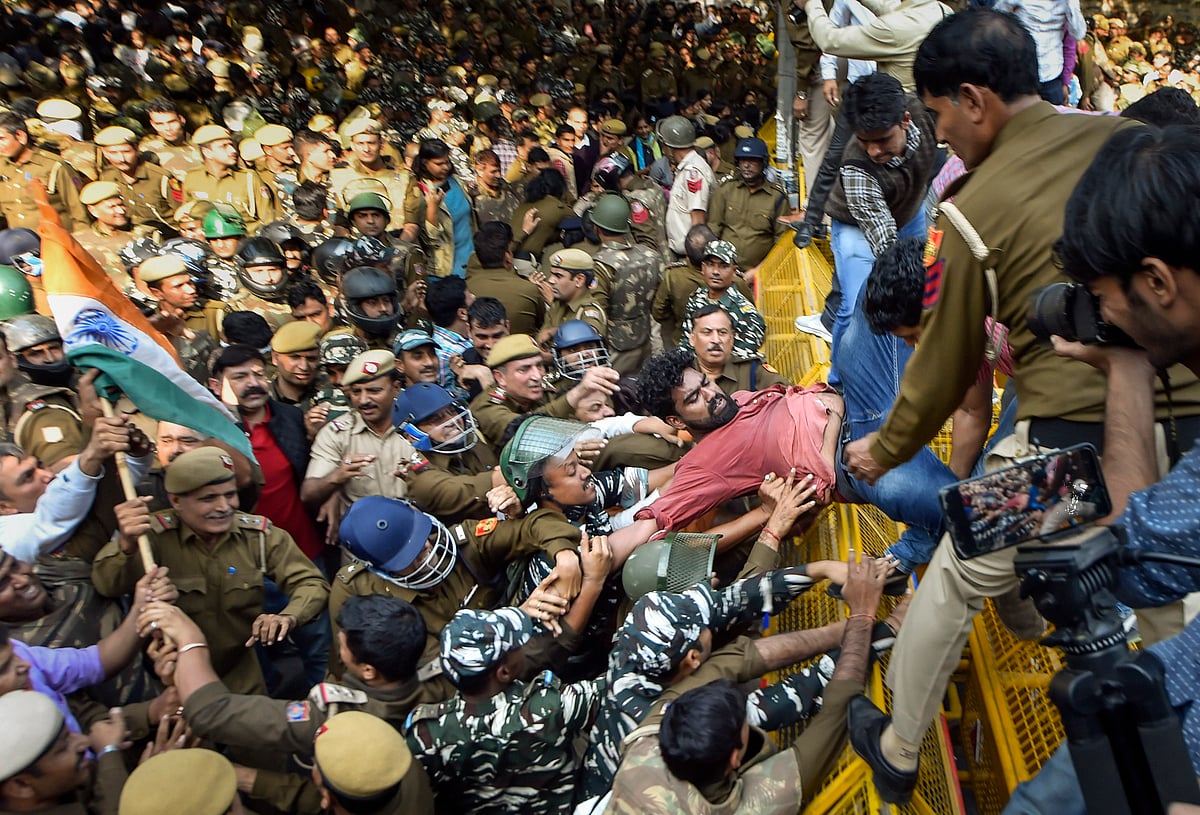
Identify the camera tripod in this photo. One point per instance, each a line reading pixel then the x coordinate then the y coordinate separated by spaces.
pixel 1124 738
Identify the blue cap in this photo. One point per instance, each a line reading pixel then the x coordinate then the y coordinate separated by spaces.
pixel 418 402
pixel 751 148
pixel 384 532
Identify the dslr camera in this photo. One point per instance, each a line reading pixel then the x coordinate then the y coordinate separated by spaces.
pixel 1069 310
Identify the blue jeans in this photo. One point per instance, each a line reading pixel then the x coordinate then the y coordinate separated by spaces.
pixel 310 642
pixel 852 262
pixel 1053 791
pixel 871 371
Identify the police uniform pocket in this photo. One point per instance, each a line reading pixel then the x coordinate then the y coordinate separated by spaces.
pixel 244 592
pixel 192 594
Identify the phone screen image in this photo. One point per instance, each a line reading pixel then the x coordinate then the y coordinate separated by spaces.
pixel 1037 498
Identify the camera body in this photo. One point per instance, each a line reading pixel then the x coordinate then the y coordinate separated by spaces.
pixel 1069 310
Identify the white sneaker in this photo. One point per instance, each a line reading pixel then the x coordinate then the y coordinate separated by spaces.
pixel 811 324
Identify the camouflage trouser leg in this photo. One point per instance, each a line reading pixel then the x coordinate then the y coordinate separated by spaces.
pixel 791 700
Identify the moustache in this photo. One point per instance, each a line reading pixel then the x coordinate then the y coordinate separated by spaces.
pixel 716 348
pixel 254 391
pixel 218 515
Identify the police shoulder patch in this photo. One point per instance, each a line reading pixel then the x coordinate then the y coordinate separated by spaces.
pixel 933 284
pixel 36 404
pixel 766 366
pixel 297 712
pixel 933 245
pixel 486 527
pixel 162 521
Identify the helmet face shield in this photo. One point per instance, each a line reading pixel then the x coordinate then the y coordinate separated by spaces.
pixel 540 442
pixel 458 434
pixel 574 362
pixel 433 563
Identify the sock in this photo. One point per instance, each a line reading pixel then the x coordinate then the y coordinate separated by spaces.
pixel 900 754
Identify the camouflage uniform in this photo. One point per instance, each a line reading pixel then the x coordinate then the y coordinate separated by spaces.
pixel 749 328
pixel 635 273
pixel 224 276
pixel 512 753
pixel 275 312
pixel 648 212
pixel 493 207
pixel 679 281
pixel 657 634
pixel 283 184
pixel 176 159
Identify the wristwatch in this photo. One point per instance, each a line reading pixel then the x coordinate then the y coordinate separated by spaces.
pixel 801 95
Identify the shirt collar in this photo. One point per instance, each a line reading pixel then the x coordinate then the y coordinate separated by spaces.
pixel 912 141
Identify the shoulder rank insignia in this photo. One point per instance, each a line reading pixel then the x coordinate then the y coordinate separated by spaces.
pixel 486 527
pixel 327 694
pixel 257 522
pixel 766 366
pixel 161 521
pixel 36 404
pixel 497 396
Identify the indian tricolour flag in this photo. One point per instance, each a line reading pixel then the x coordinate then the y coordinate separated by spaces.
pixel 102 328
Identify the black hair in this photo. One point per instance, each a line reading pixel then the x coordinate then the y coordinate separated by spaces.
pixel 537 155
pixel 874 102
pixel 661 374
pixel 13 123
pixel 161 105
pixel 549 183
pixel 695 240
pixel 981 47
pixel 235 355
pixel 310 201
pixel 710 308
pixel 486 312
pixel 247 328
pixel 1166 106
pixel 306 139
pixel 386 633
pixel 1136 199
pixel 305 289
pixel 492 243
pixel 700 730
pixel 895 287
pixel 429 149
pixel 444 297
pixel 564 129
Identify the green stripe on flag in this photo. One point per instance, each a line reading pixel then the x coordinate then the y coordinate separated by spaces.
pixel 157 396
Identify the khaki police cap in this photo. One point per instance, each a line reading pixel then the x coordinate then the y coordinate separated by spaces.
pixel 175 83
pixel 613 127
pixel 29 723
pixel 703 54
pixel 743 132
pixel 360 126
pixel 52 110
pixel 198 468
pixel 250 150
pixel 194 210
pixel 657 49
pixel 487 80
pixel 573 260
pixel 298 335
pixel 182 782
pixel 514 346
pixel 112 136
pixel 98 191
pixel 604 50
pixel 320 123
pixel 359 755
pixel 210 133
pixel 580 88
pixel 162 267
pixel 540 100
pixel 368 366
pixel 219 68
pixel 273 135
pixel 703 143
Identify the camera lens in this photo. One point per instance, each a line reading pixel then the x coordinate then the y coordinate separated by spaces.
pixel 1050 312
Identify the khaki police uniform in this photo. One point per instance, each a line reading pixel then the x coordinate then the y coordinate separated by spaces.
pixel 586 306
pixel 494 409
pixel 349 435
pixel 394 178
pixel 62 186
pixel 478 579
pixel 276 313
pixel 747 217
pixel 748 375
pixel 176 159
pixel 454 487
pixel 42 420
pixel 105 244
pixel 522 299
pixel 151 195
pixel 221 587
pixel 243 189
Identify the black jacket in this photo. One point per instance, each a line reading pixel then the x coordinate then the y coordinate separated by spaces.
pixel 287 427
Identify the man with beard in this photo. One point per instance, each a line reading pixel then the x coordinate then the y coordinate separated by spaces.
pixel 204 528
pixel 296 356
pixel 357 454
pixel 745 207
pixel 712 340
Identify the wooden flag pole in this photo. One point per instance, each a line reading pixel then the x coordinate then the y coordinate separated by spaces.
pixel 130 492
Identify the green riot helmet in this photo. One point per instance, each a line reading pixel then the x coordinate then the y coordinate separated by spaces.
pixel 539 441
pixel 674 563
pixel 16 295
pixel 612 213
pixel 677 132
pixel 224 222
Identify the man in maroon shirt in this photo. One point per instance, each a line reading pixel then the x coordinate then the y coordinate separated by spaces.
pixel 277 436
